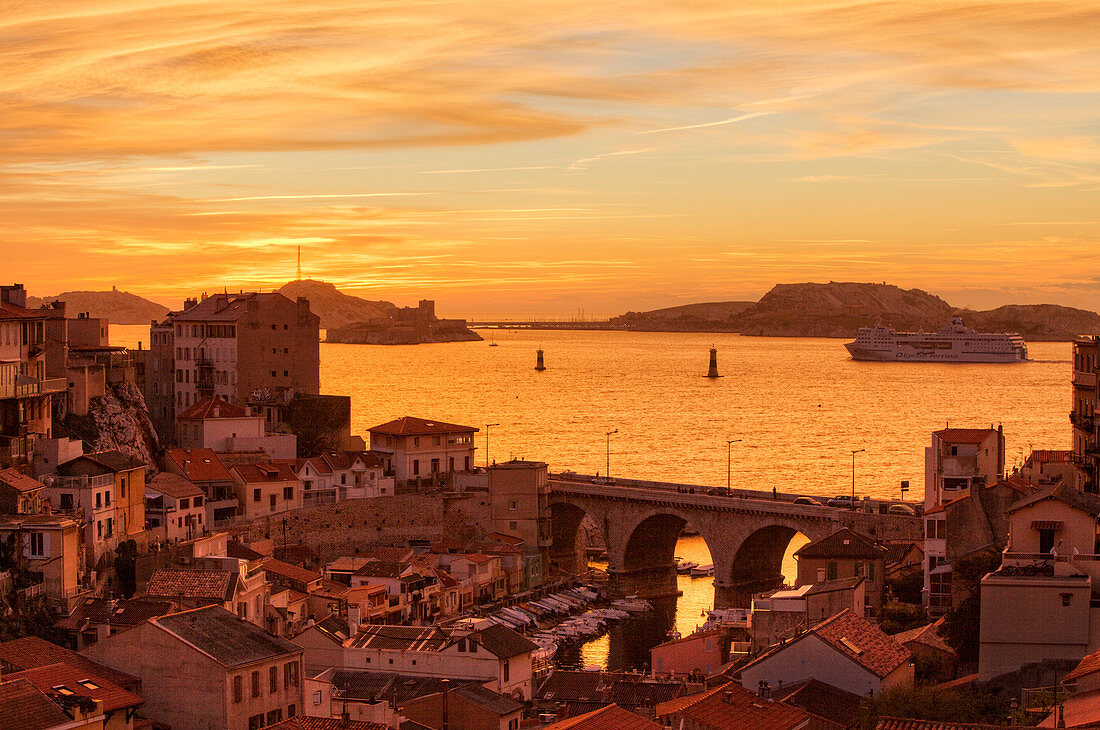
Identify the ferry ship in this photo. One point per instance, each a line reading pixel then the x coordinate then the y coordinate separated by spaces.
pixel 955 342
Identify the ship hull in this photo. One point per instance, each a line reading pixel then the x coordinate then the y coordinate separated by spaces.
pixel 904 354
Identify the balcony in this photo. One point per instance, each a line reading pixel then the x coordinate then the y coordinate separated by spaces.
pixel 1084 380
pixel 82 482
pixel 1082 422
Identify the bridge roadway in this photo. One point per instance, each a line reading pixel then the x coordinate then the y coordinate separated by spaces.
pixel 747 534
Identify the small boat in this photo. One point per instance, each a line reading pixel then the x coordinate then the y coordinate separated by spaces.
pixel 633 604
pixel 685 566
pixel 701 571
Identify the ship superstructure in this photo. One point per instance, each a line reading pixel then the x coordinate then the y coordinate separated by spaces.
pixel 954 342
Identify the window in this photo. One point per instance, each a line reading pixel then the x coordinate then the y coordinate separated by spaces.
pixel 271 500
pixel 255 684
pixel 185 503
pixel 462 645
pixel 99 529
pixel 416 441
pixel 274 716
pixel 1046 540
pixel 256 722
pixel 435 441
pixel 513 525
pixel 66 501
pixel 238 690
pixel 416 466
pixel 286 373
pixel 1066 598
pixel 505 670
pixel 98 500
pixel 830 570
pixel 255 495
pixel 107 498
pixel 317 697
pixel 288 493
pixel 122 488
pixel 273 679
pixel 290 674
pixel 513 504
pixel 291 710
pixel 110 526
pixel 38 548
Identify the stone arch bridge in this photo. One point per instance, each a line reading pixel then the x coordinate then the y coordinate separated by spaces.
pixel 747 538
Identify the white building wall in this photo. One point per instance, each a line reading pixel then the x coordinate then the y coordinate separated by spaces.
pixel 811 658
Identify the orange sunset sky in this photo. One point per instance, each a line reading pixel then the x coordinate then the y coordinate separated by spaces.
pixel 540 157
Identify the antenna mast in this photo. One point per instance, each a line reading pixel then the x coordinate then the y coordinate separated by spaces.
pixel 299 262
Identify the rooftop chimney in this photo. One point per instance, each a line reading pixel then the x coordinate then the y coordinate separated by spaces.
pixel 14 294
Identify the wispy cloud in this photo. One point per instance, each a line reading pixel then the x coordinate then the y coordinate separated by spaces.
pixel 732 120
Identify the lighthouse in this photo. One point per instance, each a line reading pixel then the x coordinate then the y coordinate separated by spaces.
pixel 713 372
pixel 539 365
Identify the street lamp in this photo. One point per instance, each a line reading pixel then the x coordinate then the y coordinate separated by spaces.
pixel 487 427
pixel 729 445
pixel 854 452
pixel 609 451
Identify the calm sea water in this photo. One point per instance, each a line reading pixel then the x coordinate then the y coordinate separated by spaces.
pixel 800 405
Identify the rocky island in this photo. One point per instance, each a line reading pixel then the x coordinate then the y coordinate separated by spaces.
pixel 405 326
pixel 838 309
pixel 118 307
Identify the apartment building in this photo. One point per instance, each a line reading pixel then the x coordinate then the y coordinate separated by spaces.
pixel 1086 424
pixel 496 656
pixel 1039 604
pixel 845 554
pixel 266 489
pixel 175 508
pixel 21 494
pixel 105 492
pixel 26 391
pixel 204 469
pixel 235 346
pixel 418 449
pixel 215 423
pixel 958 461
pixel 519 499
pixel 49 546
pixel 205 669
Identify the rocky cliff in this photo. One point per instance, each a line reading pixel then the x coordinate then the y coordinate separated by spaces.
pixel 119 420
pixel 118 307
pixel 705 317
pixel 838 309
pixel 335 308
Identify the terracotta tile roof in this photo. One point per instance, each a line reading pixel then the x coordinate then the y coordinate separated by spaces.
pixel 691 637
pixel 113 461
pixel 1081 501
pixel 389 554
pixel 965 435
pixel 1014 482
pixel 265 473
pixel 611 717
pixel 330 589
pixel 234 549
pixel 271 565
pixel 228 307
pixel 927 635
pixel 24 706
pixel 822 700
pixel 79 682
pixel 863 642
pixel 32 652
pixel 478 557
pixel 402 638
pixel 487 698
pixel 173 485
pixel 844 543
pixel 215 585
pixel 212 407
pixel 305 722
pixel 503 642
pixel 1048 456
pixel 896 551
pixel 121 613
pixel 1089 665
pixel 19 481
pixel 224 637
pixel 895 723
pixel 382 569
pixel 646 693
pixel 200 465
pixel 413 426
pixel 564 684
pixel 14 311
pixel 732 707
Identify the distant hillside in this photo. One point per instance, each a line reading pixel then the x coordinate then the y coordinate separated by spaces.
pixel 705 317
pixel 118 307
pixel 335 308
pixel 1036 322
pixel 838 309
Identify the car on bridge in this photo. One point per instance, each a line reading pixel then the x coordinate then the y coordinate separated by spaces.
pixel 843 501
pixel 603 480
pixel 808 501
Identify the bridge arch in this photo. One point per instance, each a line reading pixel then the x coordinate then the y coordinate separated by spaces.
pixel 568 548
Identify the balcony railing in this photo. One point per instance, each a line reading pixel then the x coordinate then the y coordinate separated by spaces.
pixel 1084 380
pixel 53 385
pixel 83 482
pixel 1083 422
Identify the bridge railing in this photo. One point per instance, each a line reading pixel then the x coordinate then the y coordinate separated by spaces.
pixel 867 504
